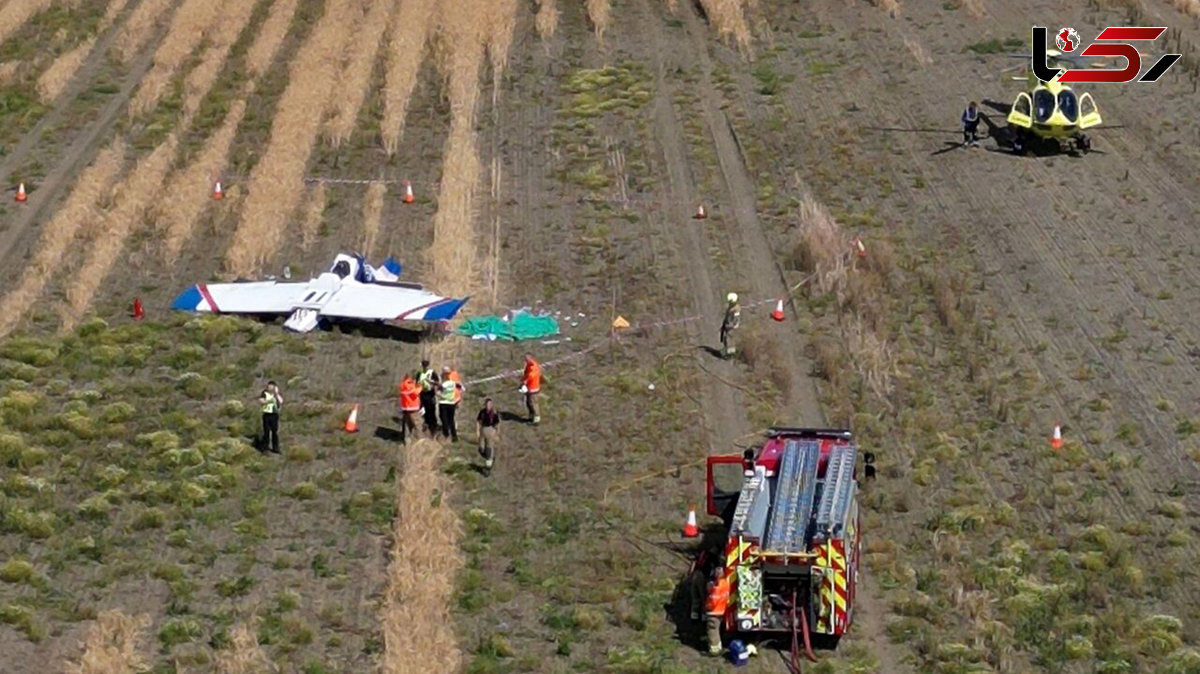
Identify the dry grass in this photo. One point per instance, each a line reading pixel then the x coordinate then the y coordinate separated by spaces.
pixel 600 14
pixel 418 628
pixel 190 24
pixel 672 6
pixel 15 13
pixel 919 53
pixel 270 36
pixel 244 656
pixel 372 216
pixel 1189 7
pixel 546 19
pixel 501 24
pixel 275 184
pixel 51 83
pixel 410 30
pixel 314 213
pixel 139 27
pixel 57 235
pixel 347 99
pixel 453 251
pixel 821 251
pixel 233 19
pixel 728 17
pixel 8 72
pixel 191 187
pixel 975 8
pixel 892 7
pixel 111 646
pixel 132 198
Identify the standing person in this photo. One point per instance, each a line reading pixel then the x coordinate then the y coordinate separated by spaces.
pixel 459 386
pixel 428 380
pixel 970 122
pixel 271 400
pixel 487 429
pixel 731 322
pixel 447 404
pixel 410 407
pixel 531 386
pixel 714 608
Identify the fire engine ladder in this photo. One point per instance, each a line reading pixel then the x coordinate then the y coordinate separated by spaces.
pixel 838 491
pixel 796 488
pixel 750 516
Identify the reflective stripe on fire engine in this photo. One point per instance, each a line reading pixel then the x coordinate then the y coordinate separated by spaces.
pixel 736 550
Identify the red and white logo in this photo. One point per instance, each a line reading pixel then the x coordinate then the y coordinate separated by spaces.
pixel 1067 40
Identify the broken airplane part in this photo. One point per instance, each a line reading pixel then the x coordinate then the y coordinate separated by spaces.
pixel 350 290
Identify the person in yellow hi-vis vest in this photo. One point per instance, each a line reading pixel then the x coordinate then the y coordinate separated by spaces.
pixel 271 400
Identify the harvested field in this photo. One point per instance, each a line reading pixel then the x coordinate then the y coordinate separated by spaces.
pixel 994 297
pixel 13 15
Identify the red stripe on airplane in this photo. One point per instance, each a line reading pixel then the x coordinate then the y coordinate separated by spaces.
pixel 208 298
pixel 416 309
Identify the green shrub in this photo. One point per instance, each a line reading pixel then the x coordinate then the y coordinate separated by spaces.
pixel 16 571
pixel 179 631
pixel 149 518
pixel 22 618
pixel 118 412
pixel 158 441
pixel 29 350
pixel 304 491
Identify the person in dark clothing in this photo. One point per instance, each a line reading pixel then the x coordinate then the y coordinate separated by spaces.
pixel 271 400
pixel 487 428
pixel 428 381
pixel 970 122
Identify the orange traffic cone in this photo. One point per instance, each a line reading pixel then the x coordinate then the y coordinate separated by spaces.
pixel 700 214
pixel 1056 441
pixel 778 313
pixel 218 194
pixel 859 247
pixel 690 528
pixel 138 311
pixel 408 193
pixel 352 420
pixel 21 193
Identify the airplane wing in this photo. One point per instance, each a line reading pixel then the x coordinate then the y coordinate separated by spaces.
pixel 265 297
pixel 384 302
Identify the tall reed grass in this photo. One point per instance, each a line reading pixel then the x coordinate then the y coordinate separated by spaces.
pixel 191 22
pixel 111 645
pixel 234 18
pixel 81 208
pixel 191 187
pixel 312 215
pixel 546 20
pixel 275 185
pixel 355 79
pixel 274 29
pixel 409 32
pixel 728 18
pixel 418 633
pixel 55 79
pixel 600 14
pixel 16 13
pixel 244 655
pixel 139 27
pixel 501 24
pixel 132 198
pixel 372 216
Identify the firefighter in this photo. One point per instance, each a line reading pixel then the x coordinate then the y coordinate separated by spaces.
pixel 428 380
pixel 531 386
pixel 714 608
pixel 970 122
pixel 410 406
pixel 731 322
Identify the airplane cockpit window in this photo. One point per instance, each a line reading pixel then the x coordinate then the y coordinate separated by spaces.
pixel 342 269
pixel 1068 104
pixel 1043 105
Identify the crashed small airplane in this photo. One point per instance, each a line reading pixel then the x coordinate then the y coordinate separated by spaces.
pixel 350 290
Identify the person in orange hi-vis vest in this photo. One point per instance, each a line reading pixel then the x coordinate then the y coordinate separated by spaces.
pixel 531 386
pixel 410 406
pixel 714 608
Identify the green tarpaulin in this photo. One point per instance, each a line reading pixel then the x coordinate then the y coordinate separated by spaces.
pixel 522 325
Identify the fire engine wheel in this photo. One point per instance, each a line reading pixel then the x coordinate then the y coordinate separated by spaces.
pixel 1083 143
pixel 1019 142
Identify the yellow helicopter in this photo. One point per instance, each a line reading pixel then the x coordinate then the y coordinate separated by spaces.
pixel 1051 111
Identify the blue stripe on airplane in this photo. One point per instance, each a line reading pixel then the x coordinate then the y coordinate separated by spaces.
pixel 188 300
